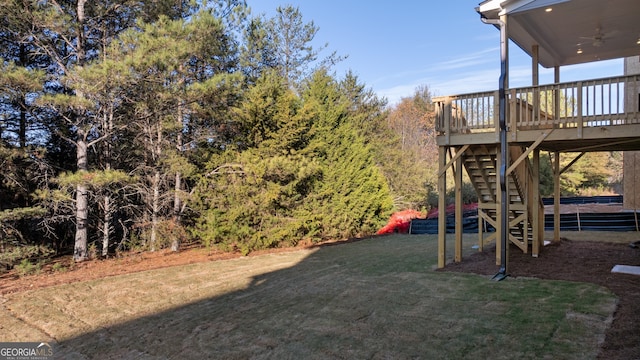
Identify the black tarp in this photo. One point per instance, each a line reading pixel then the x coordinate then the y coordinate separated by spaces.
pixel 612 199
pixel 620 221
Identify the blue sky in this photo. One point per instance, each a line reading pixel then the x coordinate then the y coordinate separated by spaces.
pixel 394 47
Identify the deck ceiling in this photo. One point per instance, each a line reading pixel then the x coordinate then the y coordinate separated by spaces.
pixel 573 31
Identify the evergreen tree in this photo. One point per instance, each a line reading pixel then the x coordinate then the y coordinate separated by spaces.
pixel 284 43
pixel 258 51
pixel 252 194
pixel 71 35
pixel 303 172
pixel 353 197
pixel 546 175
pixel 181 68
pixel 251 201
pixel 272 118
pixel 591 172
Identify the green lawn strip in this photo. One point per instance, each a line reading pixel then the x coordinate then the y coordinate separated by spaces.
pixel 377 298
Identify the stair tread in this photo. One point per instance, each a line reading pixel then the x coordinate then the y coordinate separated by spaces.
pixel 480 164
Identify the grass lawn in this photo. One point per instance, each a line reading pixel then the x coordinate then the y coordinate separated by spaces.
pixel 376 299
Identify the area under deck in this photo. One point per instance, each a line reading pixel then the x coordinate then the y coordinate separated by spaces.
pixel 585 116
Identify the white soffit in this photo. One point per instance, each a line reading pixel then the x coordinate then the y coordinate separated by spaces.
pixel 514 7
pixel 570 31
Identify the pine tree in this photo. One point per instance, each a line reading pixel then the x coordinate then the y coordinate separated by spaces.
pixel 71 35
pixel 284 43
pixel 353 197
pixel 272 118
pixel 182 69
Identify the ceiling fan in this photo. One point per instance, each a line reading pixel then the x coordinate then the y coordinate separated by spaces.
pixel 599 38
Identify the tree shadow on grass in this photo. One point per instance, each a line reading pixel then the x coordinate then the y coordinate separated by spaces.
pixel 378 298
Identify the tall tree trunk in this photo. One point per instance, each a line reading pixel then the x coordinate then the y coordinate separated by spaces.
pixel 80 32
pixel 106 225
pixel 155 210
pixel 22 131
pixel 108 213
pixel 177 205
pixel 82 192
pixel 177 201
pixel 155 202
pixel 82 203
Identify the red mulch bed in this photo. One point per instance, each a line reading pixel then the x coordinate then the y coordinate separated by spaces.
pixel 584 262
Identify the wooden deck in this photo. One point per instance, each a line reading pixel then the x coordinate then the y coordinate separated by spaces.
pixel 591 115
pixel 584 116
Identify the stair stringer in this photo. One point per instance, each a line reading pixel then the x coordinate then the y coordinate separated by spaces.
pixel 480 162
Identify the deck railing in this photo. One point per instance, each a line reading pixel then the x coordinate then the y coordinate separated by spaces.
pixel 589 103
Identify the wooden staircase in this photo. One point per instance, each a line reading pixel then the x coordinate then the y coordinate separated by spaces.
pixel 482 164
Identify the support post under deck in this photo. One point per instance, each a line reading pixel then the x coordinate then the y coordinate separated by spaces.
pixel 442 207
pixel 503 84
pixel 535 191
pixel 556 196
pixel 458 215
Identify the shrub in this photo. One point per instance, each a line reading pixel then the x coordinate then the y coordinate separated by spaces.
pixel 26 267
pixel 469 195
pixel 15 255
pixel 58 267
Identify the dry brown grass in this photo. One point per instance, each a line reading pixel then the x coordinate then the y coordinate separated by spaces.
pixel 376 298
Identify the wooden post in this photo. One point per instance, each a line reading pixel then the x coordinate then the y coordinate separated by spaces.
pixel 513 118
pixel 481 225
pixel 442 207
pixel 579 110
pixel 447 120
pixel 535 77
pixel 458 215
pixel 535 185
pixel 535 80
pixel 556 197
pixel 556 94
pixel 496 112
pixel 499 201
